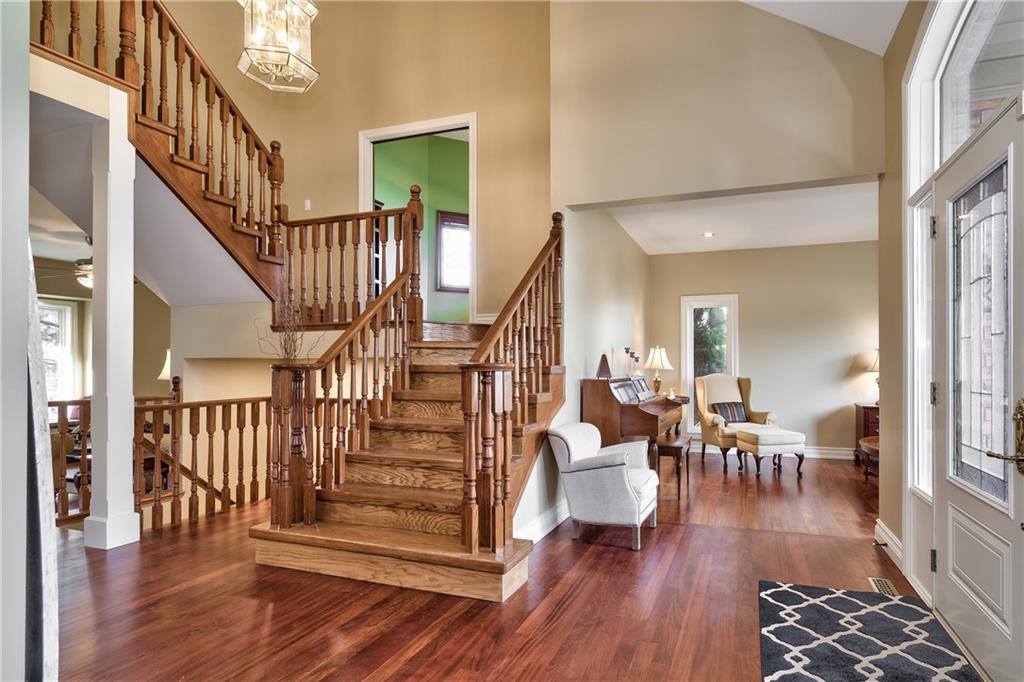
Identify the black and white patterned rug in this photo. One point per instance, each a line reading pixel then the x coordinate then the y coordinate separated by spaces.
pixel 817 633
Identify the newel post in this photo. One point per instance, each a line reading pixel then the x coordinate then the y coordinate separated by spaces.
pixel 176 388
pixel 278 213
pixel 470 509
pixel 415 307
pixel 126 66
pixel 556 289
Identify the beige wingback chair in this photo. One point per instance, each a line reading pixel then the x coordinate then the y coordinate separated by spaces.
pixel 714 430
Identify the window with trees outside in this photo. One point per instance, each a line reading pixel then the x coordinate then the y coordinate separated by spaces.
pixel 710 337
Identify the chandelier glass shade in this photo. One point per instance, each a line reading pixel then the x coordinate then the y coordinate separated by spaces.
pixel 277 51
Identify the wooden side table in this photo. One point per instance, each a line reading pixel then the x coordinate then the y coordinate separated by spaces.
pixel 867 451
pixel 678 448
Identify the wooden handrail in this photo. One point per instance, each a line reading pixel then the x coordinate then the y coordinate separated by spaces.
pixel 362 215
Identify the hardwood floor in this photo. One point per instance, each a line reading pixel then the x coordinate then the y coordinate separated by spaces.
pixel 192 604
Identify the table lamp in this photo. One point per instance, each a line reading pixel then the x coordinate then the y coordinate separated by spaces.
pixel 657 360
pixel 874 369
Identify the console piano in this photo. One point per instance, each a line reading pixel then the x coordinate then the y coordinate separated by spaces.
pixel 626 407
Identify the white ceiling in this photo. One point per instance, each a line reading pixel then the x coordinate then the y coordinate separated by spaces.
pixel 53 234
pixel 819 215
pixel 868 24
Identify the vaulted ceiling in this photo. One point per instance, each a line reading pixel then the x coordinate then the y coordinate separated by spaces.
pixel 868 25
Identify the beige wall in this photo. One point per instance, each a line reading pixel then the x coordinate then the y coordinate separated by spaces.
pixel 152 325
pixel 808 328
pixel 658 99
pixel 890 267
pixel 491 58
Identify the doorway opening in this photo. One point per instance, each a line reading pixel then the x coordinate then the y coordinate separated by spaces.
pixel 439 162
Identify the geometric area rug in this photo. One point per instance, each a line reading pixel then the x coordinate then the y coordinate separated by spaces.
pixel 817 633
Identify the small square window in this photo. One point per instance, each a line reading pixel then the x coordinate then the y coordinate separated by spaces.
pixel 453 254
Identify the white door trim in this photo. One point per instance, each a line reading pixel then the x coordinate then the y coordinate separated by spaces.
pixel 433 125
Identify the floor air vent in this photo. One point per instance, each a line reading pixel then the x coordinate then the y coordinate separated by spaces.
pixel 883 586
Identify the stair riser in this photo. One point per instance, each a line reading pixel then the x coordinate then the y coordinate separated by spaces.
pixel 427 409
pixel 416 440
pixel 453 332
pixel 437 381
pixel 442 523
pixel 440 356
pixel 412 477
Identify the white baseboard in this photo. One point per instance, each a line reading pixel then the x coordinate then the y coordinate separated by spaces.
pixel 812 452
pixel 921 590
pixel 893 545
pixel 545 522
pixel 488 318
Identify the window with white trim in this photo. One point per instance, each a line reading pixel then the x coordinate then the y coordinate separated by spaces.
pixel 710 331
pixel 57 328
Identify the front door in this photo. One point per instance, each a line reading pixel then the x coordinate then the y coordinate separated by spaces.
pixel 979 417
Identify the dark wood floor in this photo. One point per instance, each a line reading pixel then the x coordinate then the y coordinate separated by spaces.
pixel 191 604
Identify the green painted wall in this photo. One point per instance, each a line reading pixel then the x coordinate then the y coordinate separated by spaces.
pixel 440 166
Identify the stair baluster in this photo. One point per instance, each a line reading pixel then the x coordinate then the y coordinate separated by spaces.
pixel 75 32
pixel 99 50
pixel 148 105
pixel 240 479
pixel 254 420
pixel 193 498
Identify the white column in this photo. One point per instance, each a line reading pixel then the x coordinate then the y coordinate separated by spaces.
pixel 113 520
pixel 14 23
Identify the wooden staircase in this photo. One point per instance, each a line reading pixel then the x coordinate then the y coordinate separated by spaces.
pixel 398 516
pixel 401 454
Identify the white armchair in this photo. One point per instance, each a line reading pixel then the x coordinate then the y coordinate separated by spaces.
pixel 610 486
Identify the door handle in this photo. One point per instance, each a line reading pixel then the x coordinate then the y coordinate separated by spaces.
pixel 1018 455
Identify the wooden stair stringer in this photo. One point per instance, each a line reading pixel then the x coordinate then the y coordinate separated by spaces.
pixel 187 184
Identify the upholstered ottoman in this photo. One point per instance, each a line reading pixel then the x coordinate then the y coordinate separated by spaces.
pixel 771 440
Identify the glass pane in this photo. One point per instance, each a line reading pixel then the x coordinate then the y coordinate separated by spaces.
pixel 709 341
pixel 985 66
pixel 981 356
pixel 454 256
pixel 51 327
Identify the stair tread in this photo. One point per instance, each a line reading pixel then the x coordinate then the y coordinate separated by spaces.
pixel 418 424
pixel 394 542
pixel 406 457
pixel 382 494
pixel 545 397
pixel 427 394
pixel 438 368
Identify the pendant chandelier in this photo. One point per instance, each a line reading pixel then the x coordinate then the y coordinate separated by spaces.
pixel 277 51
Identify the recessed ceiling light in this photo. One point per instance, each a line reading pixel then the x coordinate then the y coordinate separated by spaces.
pixel 709 235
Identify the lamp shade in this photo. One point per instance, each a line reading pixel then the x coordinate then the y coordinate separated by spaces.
pixel 165 373
pixel 874 365
pixel 657 359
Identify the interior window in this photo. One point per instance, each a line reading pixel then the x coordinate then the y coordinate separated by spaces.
pixel 56 325
pixel 453 262
pixel 985 66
